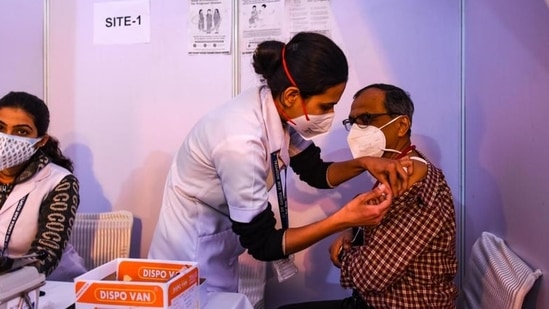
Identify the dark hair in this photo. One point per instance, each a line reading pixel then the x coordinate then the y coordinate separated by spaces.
pixel 38 111
pixel 397 101
pixel 313 60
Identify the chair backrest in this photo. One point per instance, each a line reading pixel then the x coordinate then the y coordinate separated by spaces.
pixel 102 237
pixel 495 276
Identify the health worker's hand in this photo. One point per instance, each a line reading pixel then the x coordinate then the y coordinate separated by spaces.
pixel 367 208
pixel 391 173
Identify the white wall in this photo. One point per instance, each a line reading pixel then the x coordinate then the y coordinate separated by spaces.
pixel 121 111
pixel 21 52
pixel 127 107
pixel 507 74
pixel 415 45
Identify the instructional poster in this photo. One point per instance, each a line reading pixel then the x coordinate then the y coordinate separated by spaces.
pixel 210 26
pixel 260 20
pixel 309 15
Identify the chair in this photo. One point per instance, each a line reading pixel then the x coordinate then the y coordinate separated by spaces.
pixel 495 276
pixel 102 237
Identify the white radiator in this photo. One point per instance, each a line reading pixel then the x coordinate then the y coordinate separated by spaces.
pixel 102 237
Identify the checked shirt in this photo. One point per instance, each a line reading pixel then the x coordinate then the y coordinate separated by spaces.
pixel 409 259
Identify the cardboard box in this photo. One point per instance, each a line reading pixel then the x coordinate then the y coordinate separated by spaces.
pixel 139 283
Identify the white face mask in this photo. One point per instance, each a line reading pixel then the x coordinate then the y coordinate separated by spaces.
pixel 315 126
pixel 369 141
pixel 15 150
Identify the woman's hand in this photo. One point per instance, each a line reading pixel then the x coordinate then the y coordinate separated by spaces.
pixel 367 208
pixel 392 173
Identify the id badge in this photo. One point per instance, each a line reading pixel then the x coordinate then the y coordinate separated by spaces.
pixel 285 268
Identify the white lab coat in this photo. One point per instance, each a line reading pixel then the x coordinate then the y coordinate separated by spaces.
pixel 222 169
pixel 37 188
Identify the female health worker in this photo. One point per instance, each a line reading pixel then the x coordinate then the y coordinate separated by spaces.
pixel 215 202
pixel 39 195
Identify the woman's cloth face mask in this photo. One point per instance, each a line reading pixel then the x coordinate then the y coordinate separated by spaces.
pixel 315 126
pixel 369 141
pixel 15 150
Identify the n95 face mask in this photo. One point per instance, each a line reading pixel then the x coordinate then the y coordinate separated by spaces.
pixel 315 126
pixel 369 141
pixel 15 150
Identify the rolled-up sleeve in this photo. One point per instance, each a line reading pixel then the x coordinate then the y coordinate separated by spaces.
pixel 241 163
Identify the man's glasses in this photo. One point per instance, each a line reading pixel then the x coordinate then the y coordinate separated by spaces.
pixel 362 120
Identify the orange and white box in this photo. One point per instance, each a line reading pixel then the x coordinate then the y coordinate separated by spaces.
pixel 139 283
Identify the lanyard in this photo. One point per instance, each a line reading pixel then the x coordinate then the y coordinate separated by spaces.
pixel 14 218
pixel 280 193
pixel 404 152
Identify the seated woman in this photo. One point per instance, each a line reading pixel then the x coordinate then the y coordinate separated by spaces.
pixel 38 193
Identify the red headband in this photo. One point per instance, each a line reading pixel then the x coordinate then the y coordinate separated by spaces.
pixel 288 75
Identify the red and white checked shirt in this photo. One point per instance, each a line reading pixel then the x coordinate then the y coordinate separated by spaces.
pixel 409 260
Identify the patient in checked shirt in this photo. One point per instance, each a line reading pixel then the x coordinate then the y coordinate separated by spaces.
pixel 409 259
